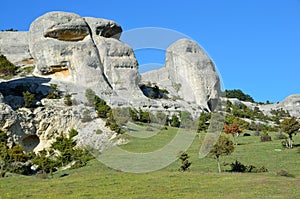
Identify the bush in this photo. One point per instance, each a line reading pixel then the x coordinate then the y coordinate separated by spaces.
pixel 265 138
pixel 237 167
pixel 6 67
pixel 101 107
pixel 53 92
pixel 175 121
pixel 28 99
pixel 185 163
pixel 68 100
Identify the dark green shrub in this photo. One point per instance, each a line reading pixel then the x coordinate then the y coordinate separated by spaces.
pixel 28 99
pixel 144 116
pixel 175 121
pixel 101 107
pixel 53 92
pixel 237 167
pixel 185 163
pixel 6 67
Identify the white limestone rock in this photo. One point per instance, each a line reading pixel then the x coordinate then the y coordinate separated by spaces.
pixel 62 47
pixel 15 46
pixel 190 73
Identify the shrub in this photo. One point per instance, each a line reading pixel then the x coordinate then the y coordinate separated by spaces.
pixel 185 163
pixel 101 107
pixel 265 138
pixel 68 99
pixel 6 67
pixel 28 99
pixel 237 167
pixel 53 92
pixel 175 121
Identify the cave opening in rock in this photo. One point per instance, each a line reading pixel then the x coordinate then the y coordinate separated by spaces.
pixel 30 142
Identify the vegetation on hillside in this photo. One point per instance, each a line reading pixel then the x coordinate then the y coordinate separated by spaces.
pixel 239 94
pixel 6 67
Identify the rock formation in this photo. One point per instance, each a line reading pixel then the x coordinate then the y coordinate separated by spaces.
pixel 188 72
pixel 77 53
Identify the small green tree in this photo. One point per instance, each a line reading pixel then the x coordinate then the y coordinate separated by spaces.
pixel 101 107
pixel 112 124
pixel 133 114
pixel 28 99
pixel 224 146
pixel 175 121
pixel 290 126
pixel 6 67
pixel 203 122
pixel 53 92
pixel 185 163
pixel 144 116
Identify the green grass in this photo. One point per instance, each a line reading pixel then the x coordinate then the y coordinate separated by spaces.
pixel 202 181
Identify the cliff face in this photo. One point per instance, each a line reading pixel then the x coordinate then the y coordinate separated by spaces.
pixel 77 53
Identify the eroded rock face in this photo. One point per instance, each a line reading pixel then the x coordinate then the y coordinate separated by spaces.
pixel 104 28
pixel 15 46
pixel 190 73
pixel 120 65
pixel 291 104
pixel 62 47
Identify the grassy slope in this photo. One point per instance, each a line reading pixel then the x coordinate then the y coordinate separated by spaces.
pixel 98 181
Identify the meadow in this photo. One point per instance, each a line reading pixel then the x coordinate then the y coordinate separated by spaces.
pixel 201 181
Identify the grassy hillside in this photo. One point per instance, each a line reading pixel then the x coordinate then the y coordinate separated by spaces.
pixel 202 181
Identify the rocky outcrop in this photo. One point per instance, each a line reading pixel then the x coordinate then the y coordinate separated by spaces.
pixel 77 53
pixel 36 130
pixel 291 104
pixel 104 28
pixel 62 46
pixel 15 46
pixel 188 72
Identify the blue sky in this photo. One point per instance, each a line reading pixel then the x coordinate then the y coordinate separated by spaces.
pixel 254 44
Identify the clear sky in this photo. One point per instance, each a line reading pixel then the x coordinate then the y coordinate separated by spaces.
pixel 255 44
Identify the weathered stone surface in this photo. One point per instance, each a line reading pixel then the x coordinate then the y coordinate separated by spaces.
pixel 291 104
pixel 190 73
pixel 103 27
pixel 120 65
pixel 15 46
pixel 70 59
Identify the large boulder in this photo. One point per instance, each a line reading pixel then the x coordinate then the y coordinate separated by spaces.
pixel 190 73
pixel 62 47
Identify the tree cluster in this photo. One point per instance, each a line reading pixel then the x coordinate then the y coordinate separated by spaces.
pixel 237 93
